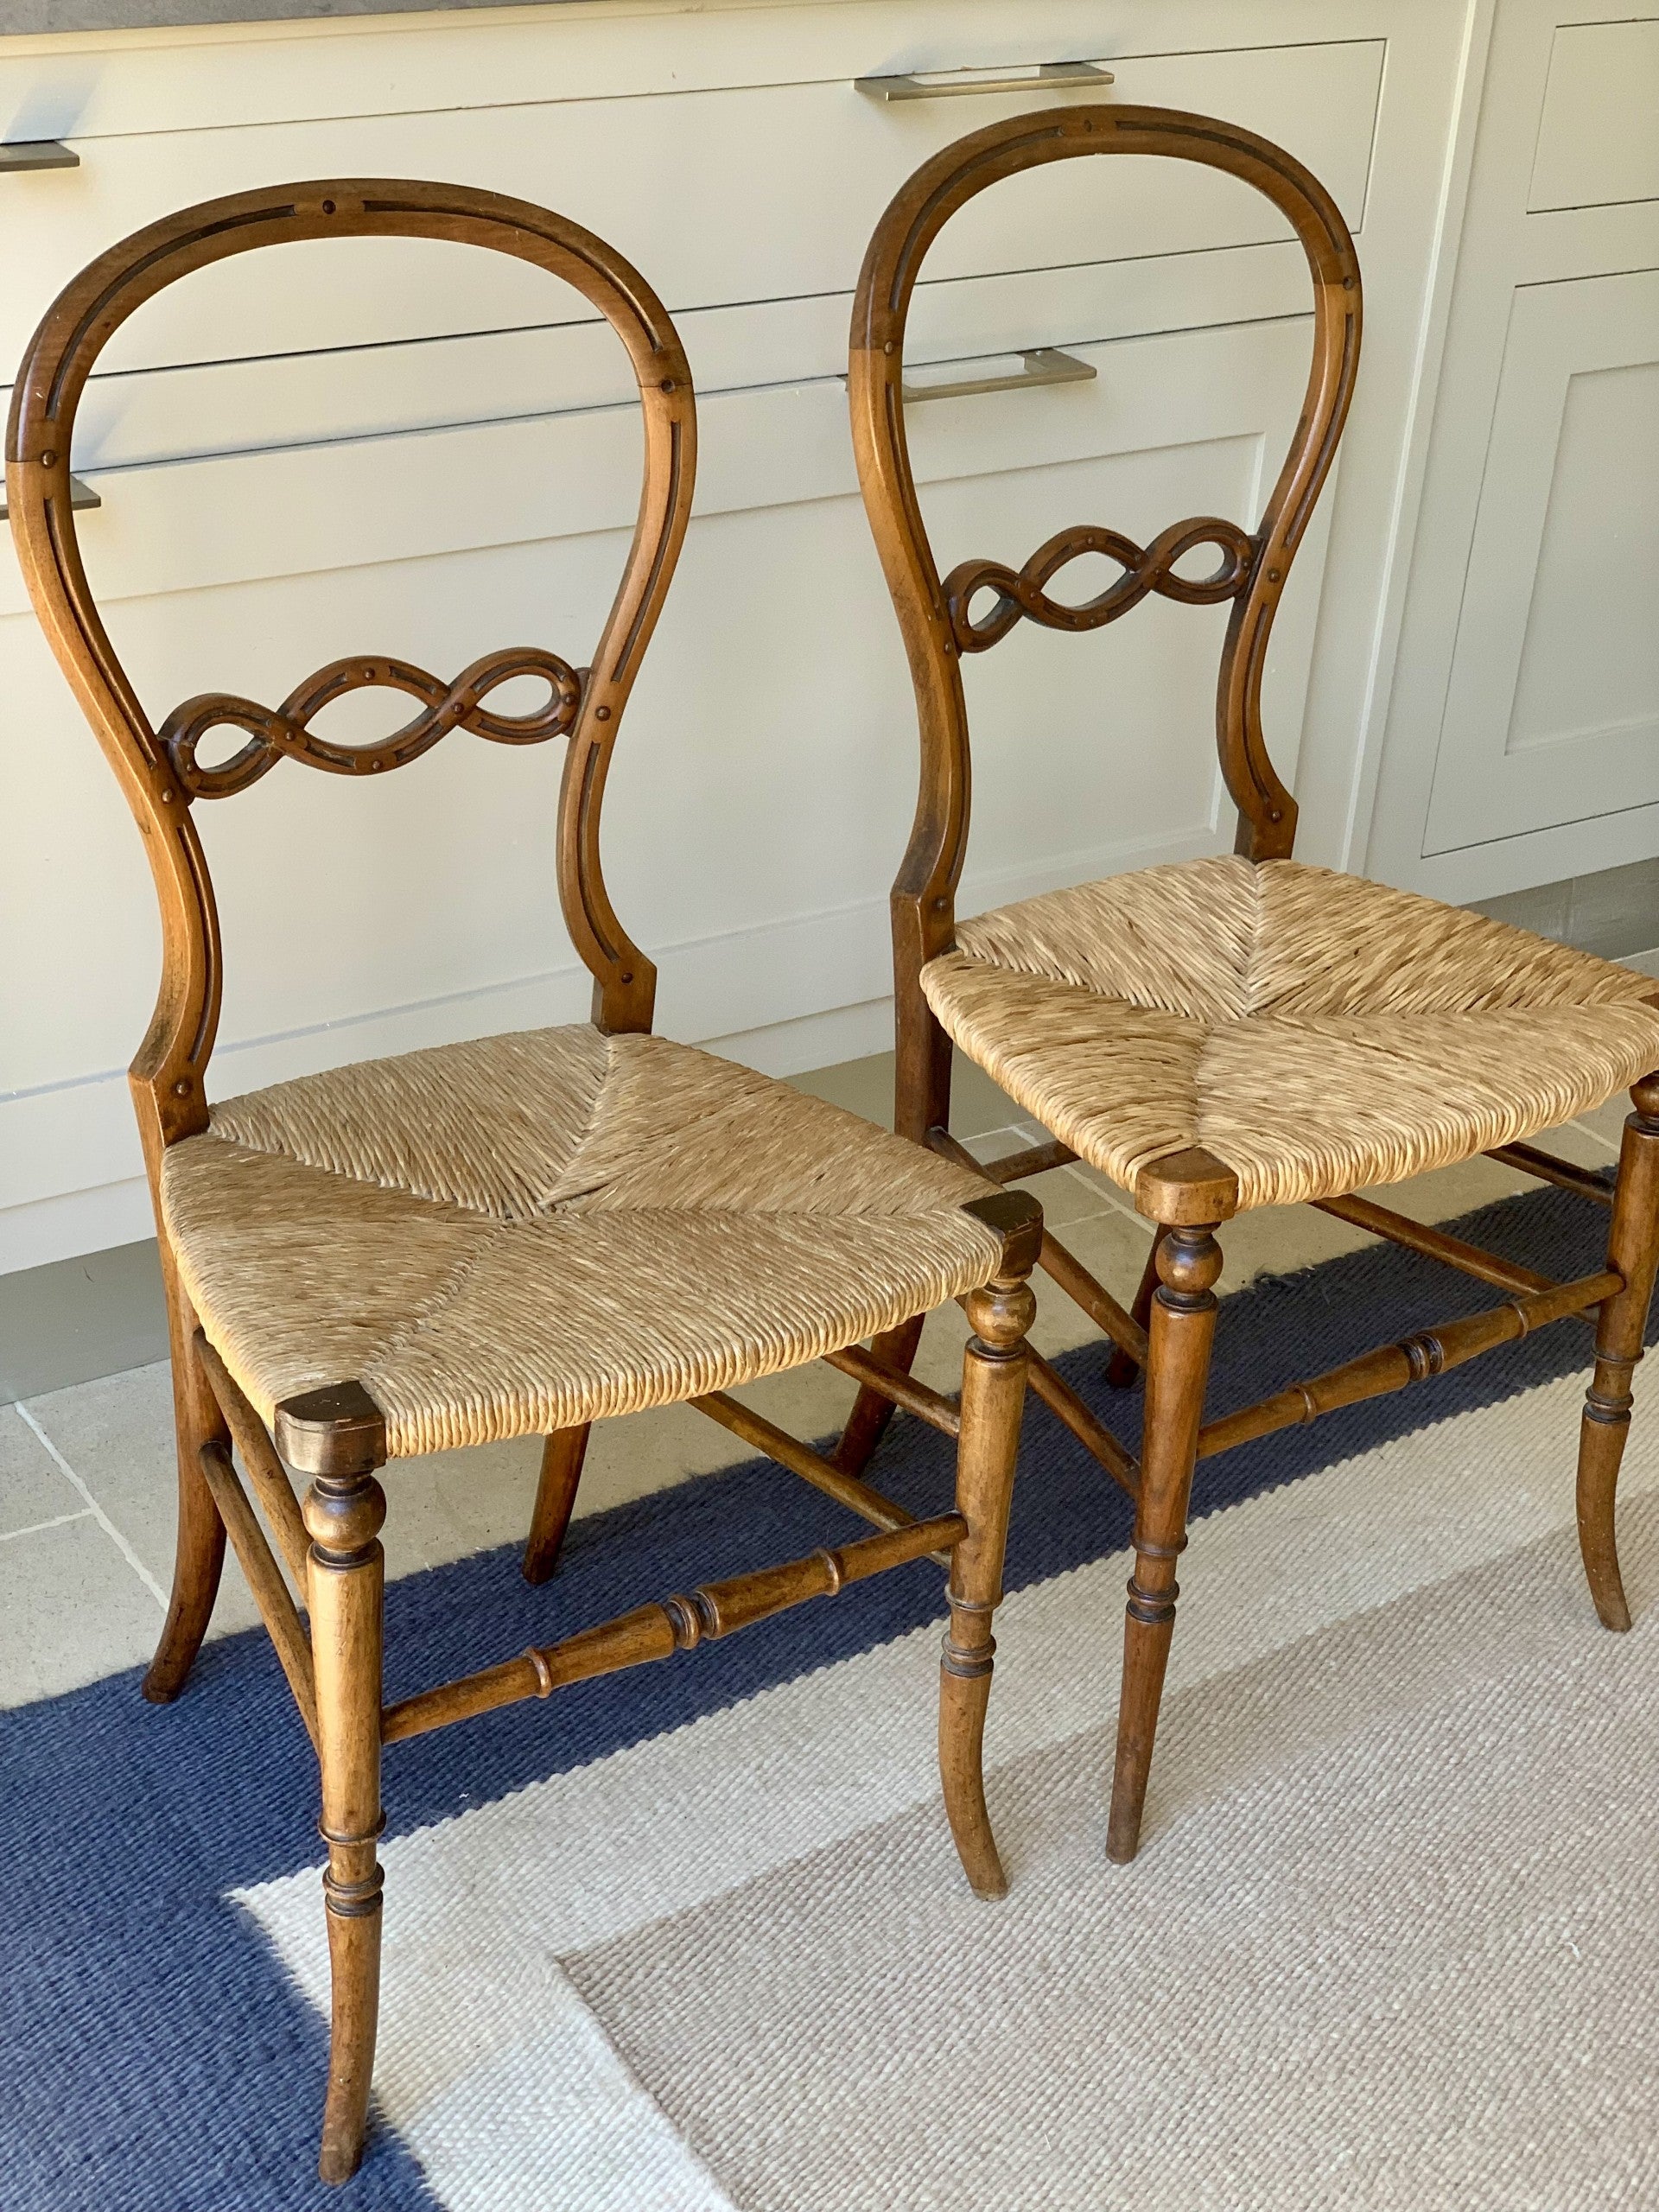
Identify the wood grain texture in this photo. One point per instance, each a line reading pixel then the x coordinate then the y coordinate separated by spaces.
pixel 347 1579
pixel 1177 1367
pixel 1633 1253
pixel 556 1497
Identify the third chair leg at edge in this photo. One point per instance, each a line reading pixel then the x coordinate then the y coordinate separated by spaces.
pixel 993 1396
pixel 563 1454
pixel 1633 1250
pixel 1182 1327
pixel 198 1551
pixel 347 1581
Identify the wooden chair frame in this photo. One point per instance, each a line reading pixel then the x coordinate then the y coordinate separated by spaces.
pixel 1166 1332
pixel 328 1542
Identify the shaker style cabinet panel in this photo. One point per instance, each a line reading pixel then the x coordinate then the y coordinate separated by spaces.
pixel 1554 700
pixel 1598 135
pixel 1522 737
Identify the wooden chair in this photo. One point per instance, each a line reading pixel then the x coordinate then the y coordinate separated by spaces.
pixel 1229 1031
pixel 509 1238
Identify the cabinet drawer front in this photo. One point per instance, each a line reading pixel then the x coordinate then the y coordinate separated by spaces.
pixel 749 194
pixel 129 419
pixel 191 525
pixel 1598 136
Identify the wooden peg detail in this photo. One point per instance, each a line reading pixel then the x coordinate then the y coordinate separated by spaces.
pixel 336 1431
pixel 1187 1188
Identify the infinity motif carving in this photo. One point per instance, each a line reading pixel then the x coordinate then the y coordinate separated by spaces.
pixel 450 706
pixel 1145 569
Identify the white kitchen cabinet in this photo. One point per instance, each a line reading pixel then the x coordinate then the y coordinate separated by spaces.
pixel 333 449
pixel 1521 746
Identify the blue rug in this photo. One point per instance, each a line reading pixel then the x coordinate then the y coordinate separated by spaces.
pixel 155 2056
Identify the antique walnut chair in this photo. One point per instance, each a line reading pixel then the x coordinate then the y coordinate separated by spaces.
pixel 513 1236
pixel 1228 1031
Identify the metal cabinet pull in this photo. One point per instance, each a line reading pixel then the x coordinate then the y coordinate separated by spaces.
pixel 1043 365
pixel 936 85
pixel 36 154
pixel 81 495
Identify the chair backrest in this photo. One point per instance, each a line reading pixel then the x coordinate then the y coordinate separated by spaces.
pixel 159 769
pixel 935 614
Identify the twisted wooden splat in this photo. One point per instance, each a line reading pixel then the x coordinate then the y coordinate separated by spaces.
pixel 1149 568
pixel 285 732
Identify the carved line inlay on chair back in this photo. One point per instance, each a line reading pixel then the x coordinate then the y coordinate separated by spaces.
pixel 160 771
pixel 936 617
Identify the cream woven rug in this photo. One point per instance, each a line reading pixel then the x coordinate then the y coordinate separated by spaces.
pixel 1391 1940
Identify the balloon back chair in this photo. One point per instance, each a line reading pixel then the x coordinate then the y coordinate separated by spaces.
pixel 1231 1031
pixel 511 1236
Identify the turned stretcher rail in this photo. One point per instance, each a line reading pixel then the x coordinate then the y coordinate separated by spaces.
pixel 265 1470
pixel 676 1624
pixel 1063 1400
pixel 1566 1174
pixel 1430 1352
pixel 903 1390
pixel 1035 1160
pixel 801 1460
pixel 1435 1243
pixel 271 1593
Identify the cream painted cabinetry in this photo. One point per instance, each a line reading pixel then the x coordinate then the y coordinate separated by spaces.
pixel 328 450
pixel 1524 745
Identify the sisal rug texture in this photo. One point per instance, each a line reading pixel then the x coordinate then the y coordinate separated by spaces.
pixel 1394 1943
pixel 693 1938
pixel 1318 1032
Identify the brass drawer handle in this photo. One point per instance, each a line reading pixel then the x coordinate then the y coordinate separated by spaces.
pixel 936 85
pixel 36 154
pixel 1043 365
pixel 81 495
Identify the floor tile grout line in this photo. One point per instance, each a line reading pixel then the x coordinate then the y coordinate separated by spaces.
pixel 97 1513
pixel 38 1528
pixel 1595 1136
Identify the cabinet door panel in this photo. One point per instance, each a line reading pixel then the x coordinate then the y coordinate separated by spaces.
pixel 1553 709
pixel 790 179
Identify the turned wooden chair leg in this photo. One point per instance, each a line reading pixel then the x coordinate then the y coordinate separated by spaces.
pixel 1121 1373
pixel 1633 1252
pixel 198 1551
pixel 1182 1327
pixel 993 1393
pixel 344 1515
pixel 867 1424
pixel 556 1495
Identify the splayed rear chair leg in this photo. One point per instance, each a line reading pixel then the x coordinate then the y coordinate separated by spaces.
pixel 1633 1250
pixel 867 1422
pixel 555 1495
pixel 198 1551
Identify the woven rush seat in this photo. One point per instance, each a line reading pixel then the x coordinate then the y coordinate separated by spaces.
pixel 1315 1032
pixel 511 1236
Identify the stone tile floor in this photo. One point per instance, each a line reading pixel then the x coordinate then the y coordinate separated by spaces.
pixel 87 1473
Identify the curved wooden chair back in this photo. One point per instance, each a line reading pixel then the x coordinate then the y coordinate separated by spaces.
pixel 936 614
pixel 159 768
